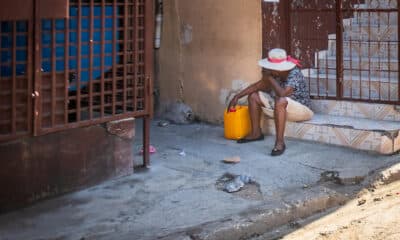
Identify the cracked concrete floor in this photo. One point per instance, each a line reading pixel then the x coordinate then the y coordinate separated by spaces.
pixel 179 191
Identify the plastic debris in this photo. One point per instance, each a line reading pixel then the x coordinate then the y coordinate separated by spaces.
pixel 246 179
pixel 237 183
pixel 182 153
pixel 234 159
pixel 234 185
pixel 152 149
pixel 163 123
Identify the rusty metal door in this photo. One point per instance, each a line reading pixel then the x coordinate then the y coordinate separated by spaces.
pixel 82 62
pixel 16 51
pixel 348 48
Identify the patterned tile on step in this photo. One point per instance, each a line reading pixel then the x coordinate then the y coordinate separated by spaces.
pixel 386 145
pixel 396 143
pixel 356 139
pixel 356 109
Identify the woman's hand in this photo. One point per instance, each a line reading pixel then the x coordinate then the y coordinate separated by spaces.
pixel 232 103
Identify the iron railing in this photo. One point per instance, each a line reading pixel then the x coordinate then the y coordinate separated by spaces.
pixel 349 48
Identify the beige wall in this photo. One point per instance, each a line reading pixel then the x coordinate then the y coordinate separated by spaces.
pixel 209 49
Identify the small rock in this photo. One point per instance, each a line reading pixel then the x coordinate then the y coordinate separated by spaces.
pixel 235 159
pixel 361 202
pixel 163 123
pixel 377 199
pixel 305 186
pixel 294 224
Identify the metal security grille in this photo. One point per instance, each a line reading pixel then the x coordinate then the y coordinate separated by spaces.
pixel 348 48
pixel 15 78
pixel 92 65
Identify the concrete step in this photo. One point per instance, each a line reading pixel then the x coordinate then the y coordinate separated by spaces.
pixel 371 32
pixel 374 18
pixel 374 111
pixel 377 4
pixel 366 49
pixel 355 87
pixel 373 135
pixel 366 67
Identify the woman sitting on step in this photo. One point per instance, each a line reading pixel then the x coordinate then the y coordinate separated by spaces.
pixel 281 94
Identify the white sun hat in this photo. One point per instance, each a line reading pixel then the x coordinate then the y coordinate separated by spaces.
pixel 278 60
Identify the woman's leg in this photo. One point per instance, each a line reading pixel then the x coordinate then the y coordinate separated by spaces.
pixel 280 121
pixel 255 105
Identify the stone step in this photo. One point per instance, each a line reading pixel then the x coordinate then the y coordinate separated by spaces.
pixel 362 74
pixel 371 32
pixel 358 133
pixel 377 4
pixel 373 111
pixel 366 67
pixel 374 18
pixel 356 87
pixel 366 49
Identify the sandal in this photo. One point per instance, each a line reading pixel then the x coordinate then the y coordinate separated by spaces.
pixel 246 140
pixel 277 152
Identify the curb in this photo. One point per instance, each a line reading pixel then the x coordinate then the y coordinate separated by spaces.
pixel 262 219
pixel 299 204
pixel 386 176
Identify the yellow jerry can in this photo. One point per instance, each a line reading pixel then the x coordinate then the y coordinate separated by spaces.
pixel 237 122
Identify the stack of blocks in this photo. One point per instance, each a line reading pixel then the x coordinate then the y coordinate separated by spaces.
pixel 370 56
pixel 365 126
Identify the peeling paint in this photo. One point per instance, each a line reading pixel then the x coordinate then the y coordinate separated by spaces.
pixel 227 94
pixel 202 53
pixel 186 33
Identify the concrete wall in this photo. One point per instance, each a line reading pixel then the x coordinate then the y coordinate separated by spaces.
pixel 35 168
pixel 209 49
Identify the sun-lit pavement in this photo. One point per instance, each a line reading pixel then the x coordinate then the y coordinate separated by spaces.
pixel 179 195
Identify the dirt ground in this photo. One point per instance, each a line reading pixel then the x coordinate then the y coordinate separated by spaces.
pixel 374 214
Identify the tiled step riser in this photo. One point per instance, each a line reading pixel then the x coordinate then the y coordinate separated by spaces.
pixel 336 135
pixel 379 68
pixel 373 111
pixel 362 74
pixel 322 87
pixel 373 36
pixel 376 4
pixel 379 4
pixel 374 18
pixel 351 89
pixel 366 33
pixel 357 49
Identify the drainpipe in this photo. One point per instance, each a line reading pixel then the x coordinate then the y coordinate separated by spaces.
pixel 159 20
pixel 157 45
